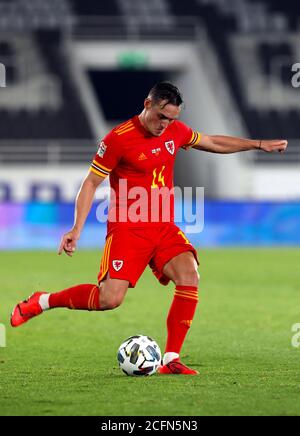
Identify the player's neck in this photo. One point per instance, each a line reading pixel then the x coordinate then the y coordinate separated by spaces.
pixel 141 118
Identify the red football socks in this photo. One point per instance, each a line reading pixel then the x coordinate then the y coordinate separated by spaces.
pixel 180 317
pixel 81 297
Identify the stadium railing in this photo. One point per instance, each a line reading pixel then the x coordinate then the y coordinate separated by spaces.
pixel 64 152
pixel 30 152
pixel 117 28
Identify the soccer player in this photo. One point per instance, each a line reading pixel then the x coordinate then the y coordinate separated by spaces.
pixel 139 156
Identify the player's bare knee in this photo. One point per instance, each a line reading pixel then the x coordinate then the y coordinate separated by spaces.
pixel 188 277
pixel 111 302
pixel 114 303
pixel 111 295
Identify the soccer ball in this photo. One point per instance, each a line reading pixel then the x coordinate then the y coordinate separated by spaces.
pixel 139 355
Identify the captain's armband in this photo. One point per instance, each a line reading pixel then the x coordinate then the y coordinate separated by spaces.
pixel 195 140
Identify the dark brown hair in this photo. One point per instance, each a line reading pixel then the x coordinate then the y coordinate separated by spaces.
pixel 166 91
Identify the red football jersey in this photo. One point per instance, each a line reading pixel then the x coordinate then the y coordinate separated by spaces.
pixel 141 171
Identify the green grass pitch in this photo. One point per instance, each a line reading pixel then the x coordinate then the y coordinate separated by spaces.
pixel 64 362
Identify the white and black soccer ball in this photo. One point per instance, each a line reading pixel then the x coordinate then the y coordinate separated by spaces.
pixel 139 355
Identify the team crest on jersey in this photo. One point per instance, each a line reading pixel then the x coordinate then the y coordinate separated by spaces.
pixel 117 264
pixel 102 149
pixel 170 146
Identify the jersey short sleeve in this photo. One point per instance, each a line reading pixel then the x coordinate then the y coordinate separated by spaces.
pixel 107 156
pixel 188 137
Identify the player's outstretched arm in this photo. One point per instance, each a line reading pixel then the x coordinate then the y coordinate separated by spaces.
pixel 230 144
pixel 84 201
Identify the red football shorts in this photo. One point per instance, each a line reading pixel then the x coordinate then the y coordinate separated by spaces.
pixel 129 250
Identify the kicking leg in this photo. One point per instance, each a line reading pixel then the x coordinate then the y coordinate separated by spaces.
pixel 108 295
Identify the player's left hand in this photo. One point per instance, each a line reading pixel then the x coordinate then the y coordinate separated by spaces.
pixel 269 146
pixel 68 243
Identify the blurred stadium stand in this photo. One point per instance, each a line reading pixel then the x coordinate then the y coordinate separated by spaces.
pixel 256 51
pixel 40 101
pixel 30 15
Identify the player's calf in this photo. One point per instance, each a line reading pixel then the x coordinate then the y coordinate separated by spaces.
pixel 112 293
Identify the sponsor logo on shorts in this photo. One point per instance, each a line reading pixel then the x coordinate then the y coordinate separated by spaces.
pixel 102 149
pixel 170 146
pixel 117 264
